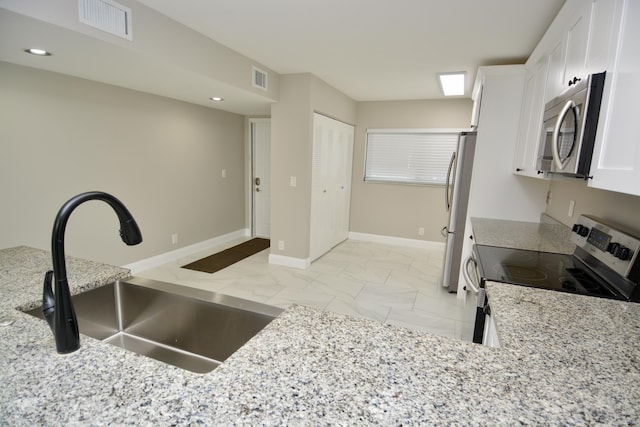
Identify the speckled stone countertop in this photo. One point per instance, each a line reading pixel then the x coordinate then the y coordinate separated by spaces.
pixel 310 367
pixel 534 236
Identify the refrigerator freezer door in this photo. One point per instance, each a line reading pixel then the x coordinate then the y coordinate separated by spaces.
pixel 450 272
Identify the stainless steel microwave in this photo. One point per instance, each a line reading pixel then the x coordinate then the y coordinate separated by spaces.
pixel 569 128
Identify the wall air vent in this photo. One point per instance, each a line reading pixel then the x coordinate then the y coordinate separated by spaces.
pixel 259 78
pixel 106 15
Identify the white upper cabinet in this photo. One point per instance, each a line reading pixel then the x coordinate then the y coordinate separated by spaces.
pixel 605 25
pixel 576 40
pixel 590 36
pixel 559 61
pixel 554 84
pixel 524 162
pixel 616 157
pixel 568 54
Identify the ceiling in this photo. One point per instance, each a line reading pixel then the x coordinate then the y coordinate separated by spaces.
pixel 369 50
pixel 372 50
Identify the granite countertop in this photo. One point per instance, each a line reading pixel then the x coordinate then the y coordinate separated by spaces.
pixel 533 236
pixel 310 367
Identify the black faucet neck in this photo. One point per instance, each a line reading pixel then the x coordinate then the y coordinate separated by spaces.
pixel 64 322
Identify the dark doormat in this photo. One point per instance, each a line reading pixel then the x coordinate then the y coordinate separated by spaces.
pixel 217 262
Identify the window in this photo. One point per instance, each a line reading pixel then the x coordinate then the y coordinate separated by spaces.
pixel 413 156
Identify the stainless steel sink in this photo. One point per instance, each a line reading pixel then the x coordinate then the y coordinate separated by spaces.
pixel 185 327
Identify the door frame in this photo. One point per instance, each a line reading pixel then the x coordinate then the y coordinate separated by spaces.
pixel 250 217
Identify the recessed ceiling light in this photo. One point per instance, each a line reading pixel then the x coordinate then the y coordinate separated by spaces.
pixel 452 84
pixel 216 98
pixel 38 52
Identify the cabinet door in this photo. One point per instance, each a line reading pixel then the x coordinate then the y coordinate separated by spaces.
pixel 577 39
pixel 605 24
pixel 555 75
pixel 531 122
pixel 616 157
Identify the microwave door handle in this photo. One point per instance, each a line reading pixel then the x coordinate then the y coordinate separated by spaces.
pixel 448 184
pixel 555 150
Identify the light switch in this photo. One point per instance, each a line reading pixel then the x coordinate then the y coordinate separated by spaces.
pixel 293 181
pixel 224 173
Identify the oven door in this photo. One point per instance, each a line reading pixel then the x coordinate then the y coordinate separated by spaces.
pixel 478 301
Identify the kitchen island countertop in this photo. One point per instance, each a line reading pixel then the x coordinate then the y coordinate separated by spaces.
pixel 310 367
pixel 533 236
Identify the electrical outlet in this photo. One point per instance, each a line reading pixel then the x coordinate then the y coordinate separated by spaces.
pixel 174 238
pixel 572 205
pixel 421 231
pixel 281 245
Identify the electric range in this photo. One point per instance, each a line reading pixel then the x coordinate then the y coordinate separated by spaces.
pixel 605 263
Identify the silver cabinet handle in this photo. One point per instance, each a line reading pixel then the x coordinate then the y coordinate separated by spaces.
pixel 467 276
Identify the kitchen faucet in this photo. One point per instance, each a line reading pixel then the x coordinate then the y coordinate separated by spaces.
pixel 58 309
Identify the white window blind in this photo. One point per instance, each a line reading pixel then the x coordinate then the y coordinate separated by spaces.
pixel 409 156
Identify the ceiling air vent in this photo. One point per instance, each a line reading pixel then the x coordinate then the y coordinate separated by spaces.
pixel 259 78
pixel 106 15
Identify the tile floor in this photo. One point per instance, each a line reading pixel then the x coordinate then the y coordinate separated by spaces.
pixel 386 283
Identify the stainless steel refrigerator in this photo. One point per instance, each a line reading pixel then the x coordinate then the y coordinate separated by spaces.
pixel 457 190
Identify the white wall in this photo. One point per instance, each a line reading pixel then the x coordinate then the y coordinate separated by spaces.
pixel 393 209
pixel 617 207
pixel 291 154
pixel 62 135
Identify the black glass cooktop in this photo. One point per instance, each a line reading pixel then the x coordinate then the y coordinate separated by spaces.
pixel 545 270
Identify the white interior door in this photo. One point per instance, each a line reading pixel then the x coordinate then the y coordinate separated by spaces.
pixel 261 177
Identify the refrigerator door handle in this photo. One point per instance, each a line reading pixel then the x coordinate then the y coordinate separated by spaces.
pixel 447 186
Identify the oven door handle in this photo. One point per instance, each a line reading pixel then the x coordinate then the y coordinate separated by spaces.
pixel 467 276
pixel 555 149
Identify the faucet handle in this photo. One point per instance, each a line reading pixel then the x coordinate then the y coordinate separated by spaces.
pixel 48 301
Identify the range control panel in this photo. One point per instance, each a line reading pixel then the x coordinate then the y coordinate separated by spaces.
pixel 613 245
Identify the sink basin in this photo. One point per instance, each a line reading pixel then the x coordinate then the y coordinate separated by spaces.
pixel 185 327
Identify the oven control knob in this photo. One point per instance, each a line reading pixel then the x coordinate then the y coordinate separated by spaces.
pixel 583 231
pixel 577 228
pixel 623 253
pixel 613 248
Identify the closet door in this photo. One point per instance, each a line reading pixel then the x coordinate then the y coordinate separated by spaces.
pixel 331 184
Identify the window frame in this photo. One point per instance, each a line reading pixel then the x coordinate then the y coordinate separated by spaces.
pixel 412 131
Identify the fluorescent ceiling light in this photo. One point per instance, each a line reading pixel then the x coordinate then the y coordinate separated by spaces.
pixel 216 98
pixel 452 84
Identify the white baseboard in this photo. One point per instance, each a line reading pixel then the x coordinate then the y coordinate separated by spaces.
pixel 288 261
pixel 166 257
pixel 397 241
pixel 300 263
